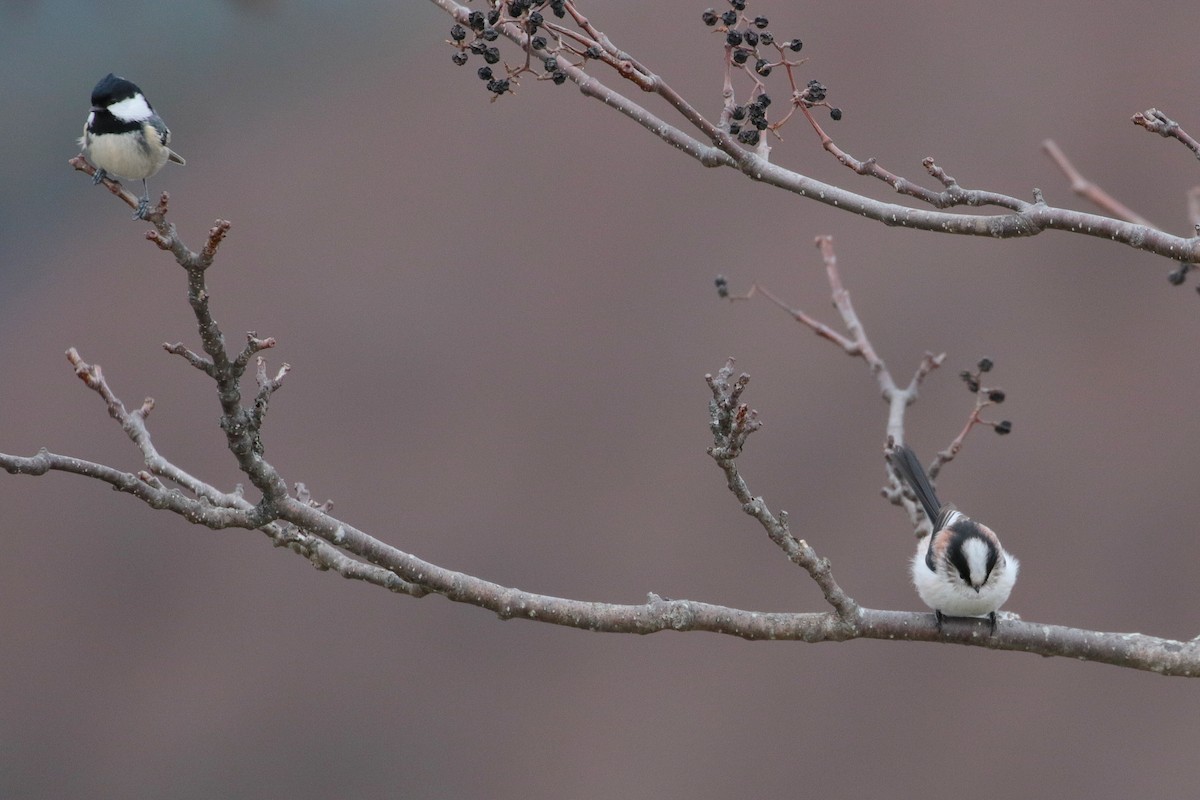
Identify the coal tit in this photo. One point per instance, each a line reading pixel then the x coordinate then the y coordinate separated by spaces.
pixel 124 137
pixel 961 571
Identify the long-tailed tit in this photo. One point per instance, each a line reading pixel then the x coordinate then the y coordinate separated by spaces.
pixel 124 137
pixel 961 571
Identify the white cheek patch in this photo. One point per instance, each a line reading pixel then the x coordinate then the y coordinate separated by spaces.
pixel 131 109
pixel 976 552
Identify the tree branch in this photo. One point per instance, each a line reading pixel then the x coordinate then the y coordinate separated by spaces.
pixel 1156 121
pixel 303 526
pixel 713 146
pixel 1088 190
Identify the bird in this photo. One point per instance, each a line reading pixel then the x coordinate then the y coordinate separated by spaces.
pixel 961 569
pixel 123 136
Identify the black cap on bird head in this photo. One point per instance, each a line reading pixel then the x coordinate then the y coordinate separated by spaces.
pixel 112 89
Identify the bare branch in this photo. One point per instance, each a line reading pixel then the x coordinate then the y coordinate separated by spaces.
pixel 857 344
pixel 1025 219
pixel 303 521
pixel 80 163
pixel 819 328
pixel 308 528
pixel 1088 190
pixel 731 422
pixel 1156 121
pixel 195 359
pixel 985 397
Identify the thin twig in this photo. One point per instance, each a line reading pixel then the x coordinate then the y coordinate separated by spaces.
pixel 1156 121
pixel 732 422
pixel 1090 191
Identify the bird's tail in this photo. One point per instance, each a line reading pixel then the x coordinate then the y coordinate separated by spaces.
pixel 909 468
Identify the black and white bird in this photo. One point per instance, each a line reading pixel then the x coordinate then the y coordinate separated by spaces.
pixel 123 137
pixel 962 570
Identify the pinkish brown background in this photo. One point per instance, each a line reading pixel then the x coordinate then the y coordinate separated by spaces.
pixel 499 317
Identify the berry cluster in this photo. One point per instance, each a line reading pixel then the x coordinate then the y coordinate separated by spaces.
pixel 749 45
pixel 984 396
pixel 747 122
pixel 477 37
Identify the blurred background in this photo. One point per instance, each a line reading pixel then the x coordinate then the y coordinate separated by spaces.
pixel 499 316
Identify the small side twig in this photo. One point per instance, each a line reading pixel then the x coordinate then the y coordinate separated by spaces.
pixel 732 422
pixel 857 343
pixel 1090 191
pixel 1156 121
pixel 155 214
pixel 985 397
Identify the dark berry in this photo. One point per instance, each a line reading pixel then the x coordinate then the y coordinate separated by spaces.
pixel 475 20
pixel 1003 427
pixel 485 73
pixel 965 375
pixel 729 18
pixel 760 123
pixel 458 33
pixel 490 34
pixel 740 5
pixel 762 67
pixel 592 52
pixel 996 395
pixel 763 100
pixel 795 45
pixel 985 365
pixel 722 286
pixel 538 43
pixel 709 17
pixel 499 87
pixel 1177 277
pixel 741 55
pixel 536 20
pixel 478 47
pixel 493 16
pixel 761 22
pixel 491 55
pixel 734 128
pixel 739 112
pixel 972 386
pixel 749 136
pixel 551 63
pixel 733 38
pixel 835 114
pixel 559 8
pixel 459 58
pixel 559 77
pixel 751 38
pixel 766 37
